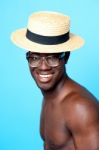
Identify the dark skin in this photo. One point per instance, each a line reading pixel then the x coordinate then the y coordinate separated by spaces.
pixel 70 113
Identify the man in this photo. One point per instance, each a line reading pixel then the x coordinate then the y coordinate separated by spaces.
pixel 70 113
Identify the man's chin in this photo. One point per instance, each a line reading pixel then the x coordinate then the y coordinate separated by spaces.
pixel 45 87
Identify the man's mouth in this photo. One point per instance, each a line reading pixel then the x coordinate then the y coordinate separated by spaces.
pixel 45 77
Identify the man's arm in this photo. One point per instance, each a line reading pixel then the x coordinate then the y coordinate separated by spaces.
pixel 83 122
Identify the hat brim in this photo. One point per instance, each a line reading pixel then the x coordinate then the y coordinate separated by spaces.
pixel 19 38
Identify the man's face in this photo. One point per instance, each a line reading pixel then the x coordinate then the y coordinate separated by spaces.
pixel 47 73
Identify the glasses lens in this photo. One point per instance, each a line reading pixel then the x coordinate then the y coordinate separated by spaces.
pixel 52 60
pixel 34 61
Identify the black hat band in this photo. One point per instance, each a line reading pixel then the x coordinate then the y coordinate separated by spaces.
pixel 47 40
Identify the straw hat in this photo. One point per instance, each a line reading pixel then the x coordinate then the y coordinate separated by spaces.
pixel 47 32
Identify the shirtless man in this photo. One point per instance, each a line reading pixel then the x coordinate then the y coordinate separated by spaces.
pixel 70 113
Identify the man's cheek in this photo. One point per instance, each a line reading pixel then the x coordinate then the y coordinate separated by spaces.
pixel 32 71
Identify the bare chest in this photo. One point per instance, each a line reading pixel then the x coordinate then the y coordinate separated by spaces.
pixel 53 129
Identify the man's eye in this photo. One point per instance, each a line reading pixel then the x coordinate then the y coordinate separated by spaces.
pixel 35 58
pixel 53 57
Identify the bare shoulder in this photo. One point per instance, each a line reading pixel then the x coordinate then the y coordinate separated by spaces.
pixel 80 110
pixel 80 107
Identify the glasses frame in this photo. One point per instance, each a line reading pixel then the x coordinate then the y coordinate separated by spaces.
pixel 60 57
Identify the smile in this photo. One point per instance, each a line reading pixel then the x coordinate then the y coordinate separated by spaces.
pixel 45 77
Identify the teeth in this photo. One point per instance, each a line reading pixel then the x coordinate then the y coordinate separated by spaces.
pixel 45 76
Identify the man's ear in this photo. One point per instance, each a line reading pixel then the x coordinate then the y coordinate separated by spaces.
pixel 67 55
pixel 65 61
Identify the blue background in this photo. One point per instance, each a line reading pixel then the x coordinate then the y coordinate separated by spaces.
pixel 20 99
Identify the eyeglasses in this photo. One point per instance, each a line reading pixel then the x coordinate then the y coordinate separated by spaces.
pixel 34 60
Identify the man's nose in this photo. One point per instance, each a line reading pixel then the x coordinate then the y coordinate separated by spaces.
pixel 44 65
